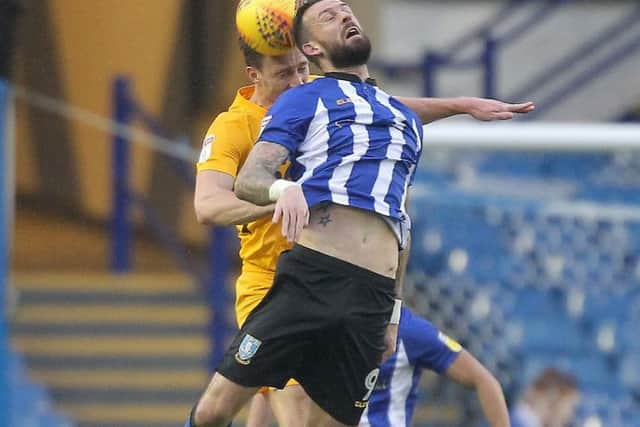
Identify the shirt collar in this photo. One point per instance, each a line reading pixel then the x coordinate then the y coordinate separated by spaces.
pixel 350 77
pixel 527 416
pixel 243 98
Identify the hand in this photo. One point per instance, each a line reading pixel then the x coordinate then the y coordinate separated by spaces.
pixel 390 340
pixel 491 109
pixel 293 210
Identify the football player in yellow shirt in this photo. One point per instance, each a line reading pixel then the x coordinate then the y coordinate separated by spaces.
pixel 225 148
pixel 227 145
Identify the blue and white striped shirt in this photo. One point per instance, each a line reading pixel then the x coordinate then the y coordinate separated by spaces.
pixel 350 143
pixel 420 346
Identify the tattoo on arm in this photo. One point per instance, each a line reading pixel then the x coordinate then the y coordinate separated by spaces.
pixel 259 172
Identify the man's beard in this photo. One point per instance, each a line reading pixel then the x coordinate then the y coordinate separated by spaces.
pixel 351 55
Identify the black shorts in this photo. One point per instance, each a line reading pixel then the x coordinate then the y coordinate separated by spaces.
pixel 322 323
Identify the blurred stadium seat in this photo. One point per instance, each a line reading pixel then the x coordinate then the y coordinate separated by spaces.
pixel 533 278
pixel 30 403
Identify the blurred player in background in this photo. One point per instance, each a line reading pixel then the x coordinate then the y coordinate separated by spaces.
pixel 549 401
pixel 226 146
pixel 421 346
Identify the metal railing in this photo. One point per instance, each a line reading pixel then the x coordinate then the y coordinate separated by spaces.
pixel 127 111
pixel 213 280
pixel 601 42
pixel 493 43
pixel 486 59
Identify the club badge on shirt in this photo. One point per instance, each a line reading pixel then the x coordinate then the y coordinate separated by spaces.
pixel 248 348
pixel 450 343
pixel 206 148
pixel 265 122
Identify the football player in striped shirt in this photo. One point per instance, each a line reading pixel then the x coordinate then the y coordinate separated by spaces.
pixel 422 346
pixel 488 110
pixel 334 305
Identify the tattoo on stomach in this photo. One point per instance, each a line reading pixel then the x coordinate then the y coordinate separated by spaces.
pixel 325 216
pixel 325 219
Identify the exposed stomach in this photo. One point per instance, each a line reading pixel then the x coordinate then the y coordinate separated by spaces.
pixel 354 235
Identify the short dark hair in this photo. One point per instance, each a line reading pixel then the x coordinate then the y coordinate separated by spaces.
pixel 251 57
pixel 299 34
pixel 552 378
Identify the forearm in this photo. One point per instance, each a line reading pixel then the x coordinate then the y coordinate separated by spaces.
pixel 391 335
pixel 258 173
pixel 401 272
pixel 492 401
pixel 466 370
pixel 254 187
pixel 433 109
pixel 224 208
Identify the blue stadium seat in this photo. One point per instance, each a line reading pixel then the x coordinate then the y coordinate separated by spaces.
pixel 599 308
pixel 556 287
pixel 16 368
pixel 534 302
pixel 29 403
pixel 609 410
pixel 54 420
pixel 30 397
pixel 593 371
pixel 628 337
pixel 629 370
pixel 552 334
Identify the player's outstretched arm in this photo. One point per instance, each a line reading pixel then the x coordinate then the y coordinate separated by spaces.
pixel 432 109
pixel 468 371
pixel 216 204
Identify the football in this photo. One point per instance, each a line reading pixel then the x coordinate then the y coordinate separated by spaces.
pixel 266 25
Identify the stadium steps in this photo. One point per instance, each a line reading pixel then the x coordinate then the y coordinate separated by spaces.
pixel 115 351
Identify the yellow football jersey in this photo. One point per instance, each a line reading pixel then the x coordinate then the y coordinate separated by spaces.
pixel 226 146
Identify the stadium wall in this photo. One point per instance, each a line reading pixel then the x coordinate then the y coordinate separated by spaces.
pixel 522 58
pixel 72 51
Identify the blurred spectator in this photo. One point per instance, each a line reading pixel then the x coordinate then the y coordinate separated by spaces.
pixel 549 401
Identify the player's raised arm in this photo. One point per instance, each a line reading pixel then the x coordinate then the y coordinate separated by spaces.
pixel 432 109
pixel 468 371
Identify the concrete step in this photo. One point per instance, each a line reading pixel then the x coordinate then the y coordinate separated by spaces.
pixel 124 351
